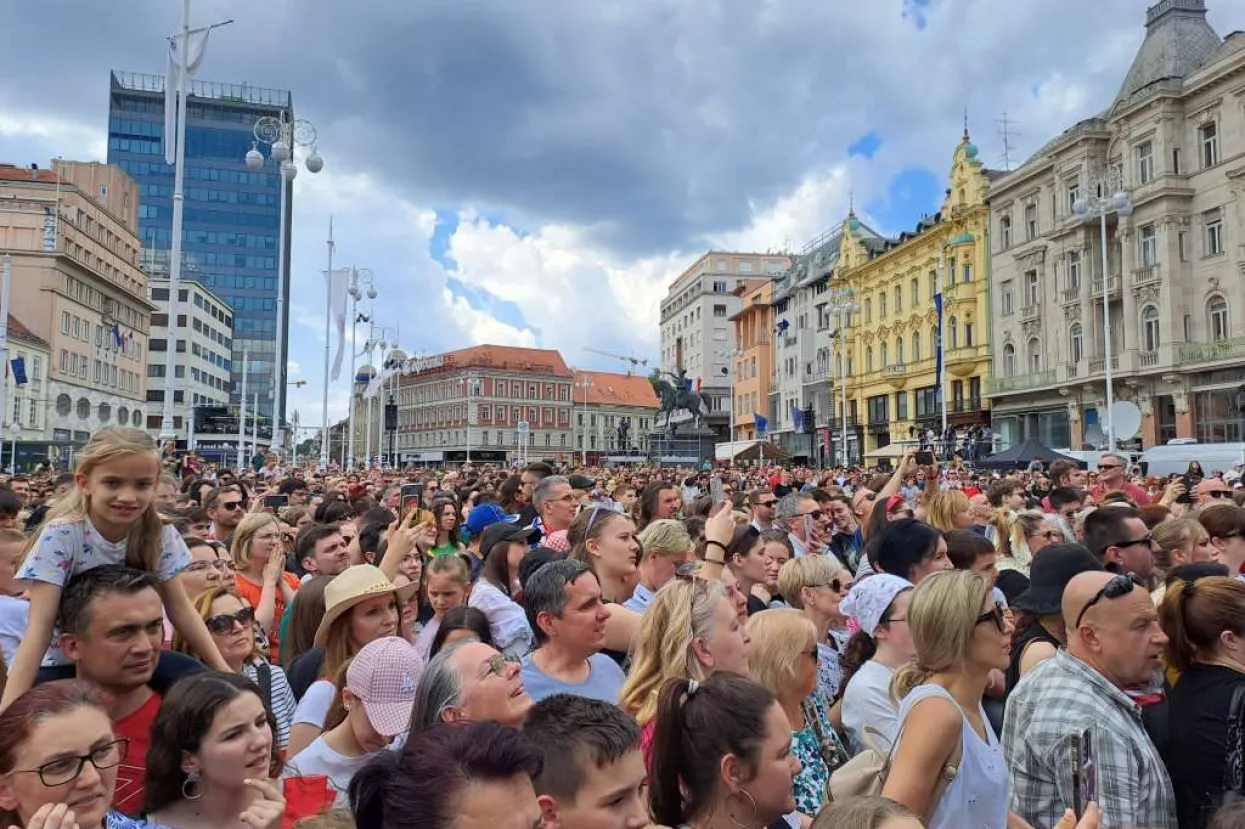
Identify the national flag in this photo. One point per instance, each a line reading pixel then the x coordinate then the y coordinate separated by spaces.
pixel 760 422
pixel 19 370
pixel 196 51
pixel 938 346
pixel 698 385
pixel 337 282
pixel 116 335
pixel 797 417
pixel 687 383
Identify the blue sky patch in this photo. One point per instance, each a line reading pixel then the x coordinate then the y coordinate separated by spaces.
pixel 913 192
pixel 439 245
pixel 915 10
pixel 866 145
pixel 481 300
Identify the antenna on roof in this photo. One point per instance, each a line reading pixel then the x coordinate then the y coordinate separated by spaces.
pixel 1007 134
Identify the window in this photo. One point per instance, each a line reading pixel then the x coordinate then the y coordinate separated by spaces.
pixel 868 310
pixel 1031 221
pixel 1176 161
pixel 968 335
pixel 64 322
pixel 1035 355
pixel 1213 219
pixel 1145 162
pixel 34 413
pixel 1208 136
pixel 916 347
pixel 899 351
pixel 1076 343
pixel 1182 246
pixel 719 287
pixel 1031 288
pixel 1074 270
pixel 744 267
pixel 1217 310
pixel 719 310
pixel 868 359
pixel 898 299
pixel 1008 297
pixel 1074 193
pixel 36 368
pixel 966 272
pixel 916 293
pixel 882 305
pixel 954 337
pixel 901 405
pixel 885 354
pixel 1150 328
pixel 1009 360
pixel 1148 241
pixel 1005 231
pixel 933 284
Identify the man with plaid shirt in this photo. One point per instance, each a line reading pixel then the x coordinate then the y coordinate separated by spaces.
pixel 1114 642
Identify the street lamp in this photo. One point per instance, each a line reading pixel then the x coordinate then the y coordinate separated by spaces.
pixel 468 384
pixel 940 305
pixel 1097 203
pixel 378 337
pixel 283 137
pixel 359 279
pixel 842 305
pixel 584 382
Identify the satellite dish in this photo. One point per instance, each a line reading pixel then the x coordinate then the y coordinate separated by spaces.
pixel 1125 419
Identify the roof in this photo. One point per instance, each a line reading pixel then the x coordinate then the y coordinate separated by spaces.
pixel 610 389
pixel 1178 42
pixel 509 358
pixel 11 172
pixel 19 332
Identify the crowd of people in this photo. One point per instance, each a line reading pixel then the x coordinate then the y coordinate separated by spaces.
pixel 197 647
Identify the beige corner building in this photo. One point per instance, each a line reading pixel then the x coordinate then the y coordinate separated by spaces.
pixel 1175 135
pixel 77 287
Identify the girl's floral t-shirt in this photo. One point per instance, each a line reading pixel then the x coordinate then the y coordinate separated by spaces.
pixel 65 549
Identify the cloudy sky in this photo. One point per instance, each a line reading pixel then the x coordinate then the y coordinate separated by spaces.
pixel 535 173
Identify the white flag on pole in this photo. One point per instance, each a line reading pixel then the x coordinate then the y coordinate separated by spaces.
pixel 172 80
pixel 338 284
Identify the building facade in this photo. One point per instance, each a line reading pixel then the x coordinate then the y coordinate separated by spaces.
pixel 77 286
pixel 27 406
pixel 232 215
pixel 613 416
pixel 1173 137
pixel 204 344
pixel 519 405
pixel 696 328
pixel 893 384
pixel 753 364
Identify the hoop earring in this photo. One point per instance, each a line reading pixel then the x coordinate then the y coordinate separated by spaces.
pixel 751 802
pixel 192 780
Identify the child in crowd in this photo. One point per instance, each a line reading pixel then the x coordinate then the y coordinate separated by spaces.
pixel 447 580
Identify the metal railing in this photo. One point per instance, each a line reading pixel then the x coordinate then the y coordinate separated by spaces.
pixel 1149 273
pixel 1212 351
pixel 243 93
pixel 1037 379
pixel 1097 364
pixel 1113 285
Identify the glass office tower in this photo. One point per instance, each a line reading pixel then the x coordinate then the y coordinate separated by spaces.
pixel 232 215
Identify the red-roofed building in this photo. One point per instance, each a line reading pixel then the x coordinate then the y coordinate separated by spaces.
pixel 613 414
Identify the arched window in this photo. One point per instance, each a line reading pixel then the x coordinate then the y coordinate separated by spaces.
pixel 868 359
pixel 916 347
pixel 953 338
pixel 1009 360
pixel 886 355
pixel 968 334
pixel 868 310
pixel 1217 311
pixel 1035 355
pixel 899 351
pixel 1076 343
pixel 882 305
pixel 916 293
pixel 898 299
pixel 1150 328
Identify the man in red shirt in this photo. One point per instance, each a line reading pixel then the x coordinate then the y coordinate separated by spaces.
pixel 1111 469
pixel 112 625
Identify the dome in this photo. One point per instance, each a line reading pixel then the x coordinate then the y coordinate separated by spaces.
pixel 364 374
pixel 396 356
pixel 970 150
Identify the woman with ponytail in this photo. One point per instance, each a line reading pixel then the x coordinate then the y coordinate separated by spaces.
pixel 721 756
pixel 1205 625
pixel 948 764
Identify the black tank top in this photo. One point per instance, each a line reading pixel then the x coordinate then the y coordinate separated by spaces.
pixel 1034 633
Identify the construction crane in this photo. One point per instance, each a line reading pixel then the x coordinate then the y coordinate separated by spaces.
pixel 634 362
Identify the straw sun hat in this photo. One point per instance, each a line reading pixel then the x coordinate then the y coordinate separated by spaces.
pixel 355 585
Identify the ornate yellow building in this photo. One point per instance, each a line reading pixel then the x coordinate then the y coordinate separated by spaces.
pixel 893 338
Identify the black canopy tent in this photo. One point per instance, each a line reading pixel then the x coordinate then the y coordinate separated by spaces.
pixel 1020 455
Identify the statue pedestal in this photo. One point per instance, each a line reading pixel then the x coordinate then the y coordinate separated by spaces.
pixel 691 446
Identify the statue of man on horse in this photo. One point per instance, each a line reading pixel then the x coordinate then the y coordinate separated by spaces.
pixel 679 396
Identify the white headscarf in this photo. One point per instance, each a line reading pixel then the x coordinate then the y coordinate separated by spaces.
pixel 869 598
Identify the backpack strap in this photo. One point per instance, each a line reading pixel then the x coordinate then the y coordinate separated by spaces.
pixel 263 677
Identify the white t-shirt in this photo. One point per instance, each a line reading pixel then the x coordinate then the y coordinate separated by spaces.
pixel 313 708
pixel 867 701
pixel 318 758
pixel 14 616
pixel 67 548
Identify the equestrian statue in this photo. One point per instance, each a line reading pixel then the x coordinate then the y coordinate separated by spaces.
pixel 677 396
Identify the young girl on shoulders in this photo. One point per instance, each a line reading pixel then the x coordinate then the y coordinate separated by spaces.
pixel 109 517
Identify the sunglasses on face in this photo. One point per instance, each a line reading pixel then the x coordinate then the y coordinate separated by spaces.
pixel 1114 589
pixel 815 514
pixel 837 585
pixel 767 503
pixel 230 505
pixel 223 623
pixel 995 615
pixel 1218 493
pixel 1103 466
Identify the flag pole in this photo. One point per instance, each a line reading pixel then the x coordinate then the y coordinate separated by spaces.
pixel 328 317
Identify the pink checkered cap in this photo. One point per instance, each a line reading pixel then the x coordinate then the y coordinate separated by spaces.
pixel 383 675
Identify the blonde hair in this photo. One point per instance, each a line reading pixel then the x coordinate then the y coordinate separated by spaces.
pixel 1173 534
pixel 666 537
pixel 942 618
pixel 681 612
pixel 203 606
pixel 1023 525
pixel 108 444
pixel 240 549
pixel 944 506
pixel 778 638
pixel 805 571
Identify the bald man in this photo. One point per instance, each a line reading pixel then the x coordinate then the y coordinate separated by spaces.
pixel 1114 642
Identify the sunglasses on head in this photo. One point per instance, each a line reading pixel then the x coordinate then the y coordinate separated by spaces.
pixel 1119 586
pixel 223 623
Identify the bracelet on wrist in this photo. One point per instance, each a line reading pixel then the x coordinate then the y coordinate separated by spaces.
pixel 709 541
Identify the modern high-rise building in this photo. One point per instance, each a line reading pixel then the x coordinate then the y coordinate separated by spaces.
pixel 232 215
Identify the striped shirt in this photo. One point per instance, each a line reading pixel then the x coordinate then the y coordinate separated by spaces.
pixel 281 702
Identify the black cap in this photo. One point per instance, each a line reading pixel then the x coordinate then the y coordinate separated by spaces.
pixel 581 482
pixel 536 559
pixel 1053 567
pixel 504 531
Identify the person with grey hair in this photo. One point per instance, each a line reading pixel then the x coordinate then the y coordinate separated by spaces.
pixel 805 522
pixel 469 681
pixel 564 608
pixel 555 502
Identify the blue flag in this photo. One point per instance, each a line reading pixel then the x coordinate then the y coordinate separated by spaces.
pixel 760 422
pixel 938 346
pixel 797 418
pixel 19 370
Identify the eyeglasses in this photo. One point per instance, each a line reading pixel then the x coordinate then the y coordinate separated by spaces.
pixel 230 505
pixel 64 770
pixel 767 503
pixel 837 585
pixel 1109 466
pixel 1114 589
pixel 223 623
pixel 1218 493
pixel 1049 535
pixel 495 665
pixel 815 514
pixel 995 615
pixel 1146 539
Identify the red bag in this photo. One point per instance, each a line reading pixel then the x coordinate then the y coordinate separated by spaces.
pixel 306 796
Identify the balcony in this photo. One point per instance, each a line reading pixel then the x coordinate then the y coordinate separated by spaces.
pixel 1071 295
pixel 1030 312
pixel 819 375
pixel 1071 370
pixel 1098 364
pixel 1213 351
pixel 896 370
pixel 1113 285
pixel 1148 359
pixel 1022 382
pixel 972 404
pixel 1146 275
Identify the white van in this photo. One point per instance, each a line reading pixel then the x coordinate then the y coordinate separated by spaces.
pixel 1174 457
